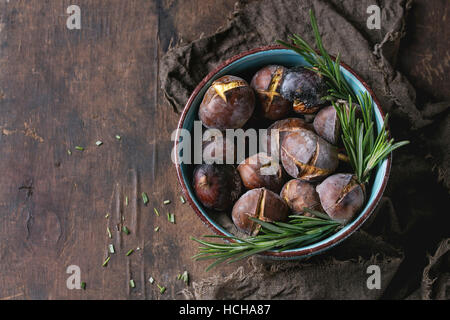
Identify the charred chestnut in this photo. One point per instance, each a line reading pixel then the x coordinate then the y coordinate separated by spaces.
pixel 308 157
pixel 284 127
pixel 259 203
pixel 217 186
pixel 300 194
pixel 327 124
pixel 341 196
pixel 266 83
pixel 227 104
pixel 259 171
pixel 305 88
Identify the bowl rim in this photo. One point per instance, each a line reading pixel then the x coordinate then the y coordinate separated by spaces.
pixel 300 252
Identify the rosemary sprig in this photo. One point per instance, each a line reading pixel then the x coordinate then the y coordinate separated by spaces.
pixel 299 231
pixel 364 149
pixel 321 63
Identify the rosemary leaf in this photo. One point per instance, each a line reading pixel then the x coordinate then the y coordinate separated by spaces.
pixel 125 230
pixel 144 198
pixel 161 289
pixel 185 277
pixel 105 263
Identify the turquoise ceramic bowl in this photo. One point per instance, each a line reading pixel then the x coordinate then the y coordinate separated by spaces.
pixel 245 65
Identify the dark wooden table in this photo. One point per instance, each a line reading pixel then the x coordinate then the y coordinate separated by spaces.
pixel 62 88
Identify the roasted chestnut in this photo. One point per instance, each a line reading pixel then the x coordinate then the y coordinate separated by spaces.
pixel 284 127
pixel 305 88
pixel 307 156
pixel 300 194
pixel 259 171
pixel 217 186
pixel 258 203
pixel 341 196
pixel 227 104
pixel 327 124
pixel 266 83
pixel 219 150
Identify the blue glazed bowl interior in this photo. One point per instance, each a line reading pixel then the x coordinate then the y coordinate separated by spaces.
pixel 245 68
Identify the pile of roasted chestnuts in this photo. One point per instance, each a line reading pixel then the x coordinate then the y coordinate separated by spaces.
pixel 309 174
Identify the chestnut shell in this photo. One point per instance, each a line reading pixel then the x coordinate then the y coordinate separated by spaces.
pixel 218 149
pixel 284 127
pixel 253 175
pixel 266 83
pixel 327 125
pixel 341 196
pixel 299 194
pixel 228 103
pixel 305 88
pixel 217 186
pixel 262 204
pixel 308 157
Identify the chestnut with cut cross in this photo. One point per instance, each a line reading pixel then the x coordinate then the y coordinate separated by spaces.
pixel 307 156
pixel 284 127
pixel 341 196
pixel 262 204
pixel 299 195
pixel 266 83
pixel 228 103
pixel 261 170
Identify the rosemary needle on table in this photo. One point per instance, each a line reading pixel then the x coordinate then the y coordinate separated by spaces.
pixel 171 217
pixel 125 230
pixel 144 198
pixel 161 289
pixel 105 263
